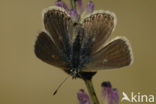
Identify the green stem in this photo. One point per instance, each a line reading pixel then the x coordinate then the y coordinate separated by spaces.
pixel 91 91
pixel 72 3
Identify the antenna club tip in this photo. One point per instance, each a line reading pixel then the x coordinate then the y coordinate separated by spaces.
pixel 55 92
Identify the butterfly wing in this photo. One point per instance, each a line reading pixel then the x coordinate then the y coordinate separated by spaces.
pixel 53 46
pixel 57 23
pixel 98 26
pixel 46 50
pixel 115 54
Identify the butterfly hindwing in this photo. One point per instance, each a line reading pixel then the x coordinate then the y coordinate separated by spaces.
pixel 46 50
pixel 115 54
pixel 98 26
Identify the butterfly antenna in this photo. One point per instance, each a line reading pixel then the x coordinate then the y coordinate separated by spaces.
pixel 60 85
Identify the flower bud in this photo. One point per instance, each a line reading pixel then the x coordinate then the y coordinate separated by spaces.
pixel 83 98
pixel 90 6
pixel 73 14
pixel 61 4
pixel 109 95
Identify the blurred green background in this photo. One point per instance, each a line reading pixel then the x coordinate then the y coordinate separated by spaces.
pixel 24 79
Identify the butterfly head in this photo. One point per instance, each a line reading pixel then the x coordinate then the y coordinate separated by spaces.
pixel 74 73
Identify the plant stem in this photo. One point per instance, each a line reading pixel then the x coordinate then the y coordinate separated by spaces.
pixel 91 91
pixel 72 3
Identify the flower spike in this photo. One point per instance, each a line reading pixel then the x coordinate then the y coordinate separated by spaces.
pixel 61 4
pixel 109 95
pixel 90 7
pixel 83 98
pixel 73 13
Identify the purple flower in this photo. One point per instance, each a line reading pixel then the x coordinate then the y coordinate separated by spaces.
pixel 83 98
pixel 79 3
pixel 109 94
pixel 79 6
pixel 90 7
pixel 61 4
pixel 76 11
pixel 74 15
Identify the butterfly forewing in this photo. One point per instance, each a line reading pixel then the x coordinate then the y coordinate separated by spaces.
pixel 98 27
pixel 116 54
pixel 46 50
pixel 58 23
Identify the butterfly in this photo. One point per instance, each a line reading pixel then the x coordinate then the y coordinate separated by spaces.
pixel 80 46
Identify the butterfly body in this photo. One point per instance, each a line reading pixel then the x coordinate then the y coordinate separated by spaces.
pixel 78 47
